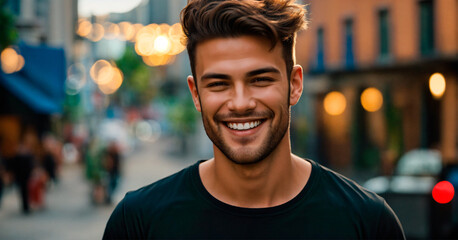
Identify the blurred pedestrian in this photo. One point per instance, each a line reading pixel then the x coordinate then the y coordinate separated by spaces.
pixel 37 187
pixel 21 165
pixel 2 176
pixel 112 160
pixel 49 160
pixel 244 83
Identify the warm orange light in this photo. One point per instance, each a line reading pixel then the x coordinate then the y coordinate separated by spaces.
pixel 105 75
pixel 145 44
pixel 114 83
pixel 137 28
pixel 99 71
pixel 371 99
pixel 158 60
pixel 20 63
pixel 164 28
pixel 127 30
pixel 335 103
pixel 145 39
pixel 176 35
pixel 162 45
pixel 437 85
pixel 11 61
pixel 112 31
pixel 158 44
pixel 97 33
pixel 84 28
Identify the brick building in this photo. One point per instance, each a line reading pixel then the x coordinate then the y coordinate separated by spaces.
pixel 394 47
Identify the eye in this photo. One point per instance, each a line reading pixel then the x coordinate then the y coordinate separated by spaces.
pixel 217 85
pixel 262 81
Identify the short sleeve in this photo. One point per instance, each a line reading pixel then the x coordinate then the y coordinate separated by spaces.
pixel 389 226
pixel 116 227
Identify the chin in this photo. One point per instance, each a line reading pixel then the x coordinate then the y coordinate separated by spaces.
pixel 246 156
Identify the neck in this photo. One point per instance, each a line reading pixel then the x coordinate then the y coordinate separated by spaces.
pixel 270 182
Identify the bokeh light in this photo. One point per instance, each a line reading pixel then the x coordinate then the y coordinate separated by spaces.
pixel 84 28
pixel 114 83
pixel 148 130
pixel 96 70
pixel 158 60
pixel 156 43
pixel 112 31
pixel 20 63
pixel 335 103
pixel 371 99
pixel 176 36
pixel 107 76
pixel 97 33
pixel 127 31
pixel 137 28
pixel 162 45
pixel 443 192
pixel 11 61
pixel 437 85
pixel 144 45
pixel 76 78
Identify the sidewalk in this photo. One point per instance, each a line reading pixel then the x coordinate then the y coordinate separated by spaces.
pixel 69 213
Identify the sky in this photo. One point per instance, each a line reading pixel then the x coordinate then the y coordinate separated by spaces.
pixel 87 8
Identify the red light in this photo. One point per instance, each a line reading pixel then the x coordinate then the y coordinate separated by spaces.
pixel 443 192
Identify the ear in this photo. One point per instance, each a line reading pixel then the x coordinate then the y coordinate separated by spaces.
pixel 195 94
pixel 296 85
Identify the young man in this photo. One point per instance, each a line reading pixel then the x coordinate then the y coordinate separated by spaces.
pixel 244 83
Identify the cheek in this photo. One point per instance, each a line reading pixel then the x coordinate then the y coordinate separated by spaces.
pixel 211 103
pixel 272 96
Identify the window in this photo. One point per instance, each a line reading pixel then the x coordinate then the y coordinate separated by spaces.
pixel 426 28
pixel 349 61
pixel 14 6
pixel 320 50
pixel 42 8
pixel 384 31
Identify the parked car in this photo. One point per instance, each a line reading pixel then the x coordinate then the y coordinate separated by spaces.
pixel 410 193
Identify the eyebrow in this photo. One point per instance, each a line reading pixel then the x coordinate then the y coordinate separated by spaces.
pixel 215 76
pixel 249 74
pixel 262 70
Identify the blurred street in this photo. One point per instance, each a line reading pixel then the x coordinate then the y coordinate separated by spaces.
pixel 69 213
pixel 96 89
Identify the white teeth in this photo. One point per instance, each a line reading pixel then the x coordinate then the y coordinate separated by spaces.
pixel 243 126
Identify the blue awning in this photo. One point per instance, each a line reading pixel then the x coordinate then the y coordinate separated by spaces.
pixel 40 83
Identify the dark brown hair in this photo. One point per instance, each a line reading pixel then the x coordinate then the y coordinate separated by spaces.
pixel 274 20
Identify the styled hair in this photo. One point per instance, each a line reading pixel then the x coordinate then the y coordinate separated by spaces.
pixel 273 20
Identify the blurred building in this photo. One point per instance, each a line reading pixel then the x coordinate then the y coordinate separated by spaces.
pixel 172 76
pixel 392 48
pixel 49 22
pixel 34 94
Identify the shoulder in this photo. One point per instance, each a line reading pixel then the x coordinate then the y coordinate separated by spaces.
pixel 346 189
pixel 163 190
pixel 346 195
pixel 142 207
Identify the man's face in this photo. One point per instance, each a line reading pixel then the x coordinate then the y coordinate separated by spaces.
pixel 244 96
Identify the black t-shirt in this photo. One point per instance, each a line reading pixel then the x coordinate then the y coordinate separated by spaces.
pixel 329 207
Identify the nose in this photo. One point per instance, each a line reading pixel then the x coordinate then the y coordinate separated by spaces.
pixel 241 100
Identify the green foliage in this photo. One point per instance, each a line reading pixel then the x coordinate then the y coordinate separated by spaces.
pixel 8 33
pixel 137 78
pixel 182 116
pixel 73 111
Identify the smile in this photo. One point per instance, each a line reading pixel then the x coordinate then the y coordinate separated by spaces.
pixel 243 126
